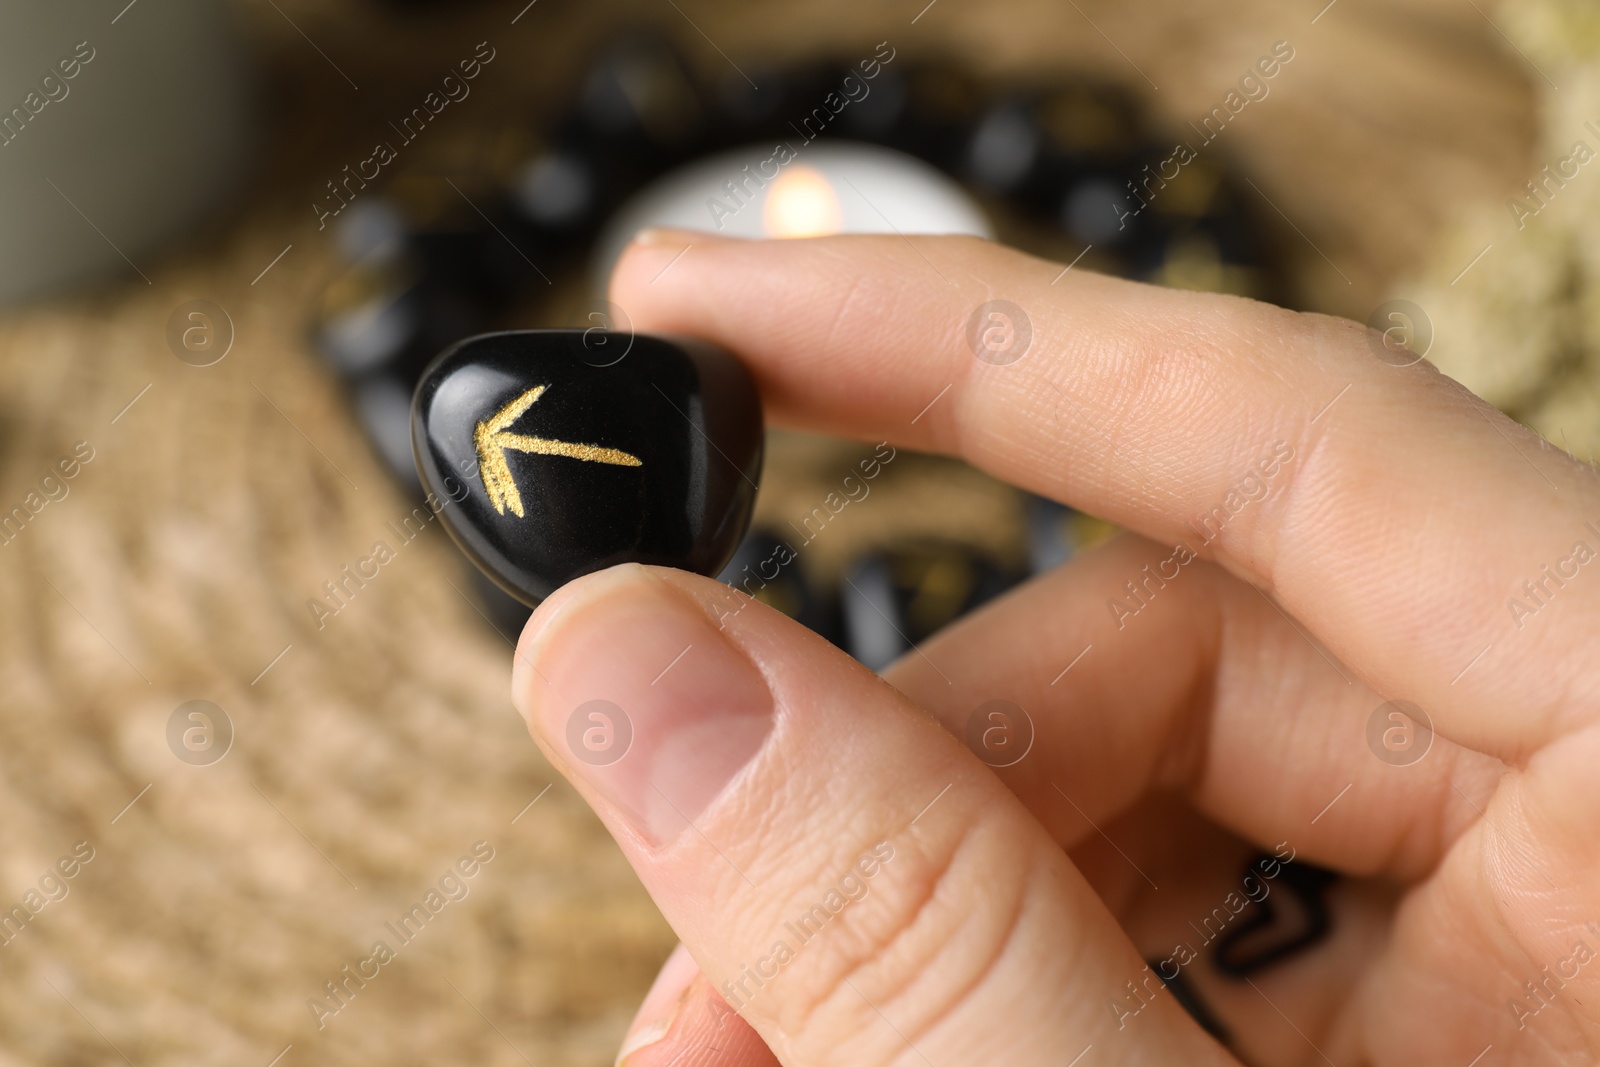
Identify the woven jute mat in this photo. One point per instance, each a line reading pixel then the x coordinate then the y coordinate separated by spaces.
pixel 376 748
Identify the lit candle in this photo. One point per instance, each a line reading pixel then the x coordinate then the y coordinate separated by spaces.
pixel 777 191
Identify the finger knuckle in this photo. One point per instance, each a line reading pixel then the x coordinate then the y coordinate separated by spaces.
pixel 914 949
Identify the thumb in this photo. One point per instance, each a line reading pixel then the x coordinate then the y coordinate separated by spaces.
pixel 856 884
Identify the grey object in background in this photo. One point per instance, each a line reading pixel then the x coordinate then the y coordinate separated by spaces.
pixel 120 126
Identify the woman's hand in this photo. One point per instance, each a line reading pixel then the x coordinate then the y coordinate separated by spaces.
pixel 1319 532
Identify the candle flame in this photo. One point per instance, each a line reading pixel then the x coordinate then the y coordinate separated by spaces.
pixel 802 203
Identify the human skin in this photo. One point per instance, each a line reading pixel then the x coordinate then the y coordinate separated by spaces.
pixel 1227 716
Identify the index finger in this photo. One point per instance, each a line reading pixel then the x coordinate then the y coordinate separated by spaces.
pixel 1393 514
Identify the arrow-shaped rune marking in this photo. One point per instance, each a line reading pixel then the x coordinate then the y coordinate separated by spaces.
pixel 492 440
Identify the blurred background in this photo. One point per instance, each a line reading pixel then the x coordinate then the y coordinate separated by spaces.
pixel 231 234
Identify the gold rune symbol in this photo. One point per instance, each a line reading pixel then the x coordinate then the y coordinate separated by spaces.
pixel 491 440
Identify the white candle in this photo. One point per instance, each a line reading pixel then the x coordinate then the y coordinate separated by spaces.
pixel 119 127
pixel 779 191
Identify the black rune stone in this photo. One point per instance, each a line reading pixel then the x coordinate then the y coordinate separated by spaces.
pixel 555 453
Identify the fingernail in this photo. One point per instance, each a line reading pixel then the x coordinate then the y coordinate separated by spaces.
pixel 525 674
pixel 639 1040
pixel 691 1024
pixel 703 1031
pixel 662 1005
pixel 641 697
pixel 667 235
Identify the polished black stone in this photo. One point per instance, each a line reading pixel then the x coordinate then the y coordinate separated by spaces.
pixel 554 453
pixel 895 598
pixel 767 567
